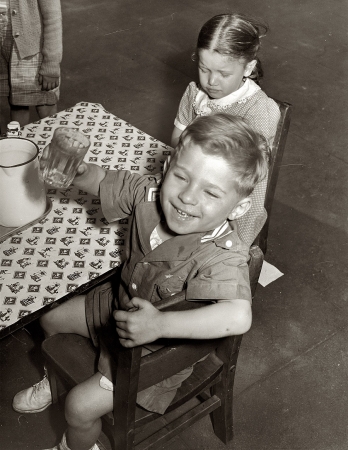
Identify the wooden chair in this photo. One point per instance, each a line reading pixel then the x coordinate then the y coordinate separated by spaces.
pixel 209 390
pixel 278 148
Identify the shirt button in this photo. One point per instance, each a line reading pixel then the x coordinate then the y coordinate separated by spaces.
pixel 134 286
pixel 14 12
pixel 228 244
pixel 16 35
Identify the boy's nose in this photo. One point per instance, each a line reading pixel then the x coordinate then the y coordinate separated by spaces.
pixel 188 196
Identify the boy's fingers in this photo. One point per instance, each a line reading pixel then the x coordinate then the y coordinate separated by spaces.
pixel 81 168
pixel 139 303
pixel 43 157
pixel 44 152
pixel 121 332
pixel 127 343
pixel 120 316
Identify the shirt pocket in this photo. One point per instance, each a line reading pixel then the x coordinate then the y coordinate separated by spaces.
pixel 170 286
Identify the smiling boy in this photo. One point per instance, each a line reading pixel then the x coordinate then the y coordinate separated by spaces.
pixel 182 238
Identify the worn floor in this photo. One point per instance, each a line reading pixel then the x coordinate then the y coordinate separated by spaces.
pixel 133 57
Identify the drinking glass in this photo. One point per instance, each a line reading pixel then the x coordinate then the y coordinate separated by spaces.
pixel 63 156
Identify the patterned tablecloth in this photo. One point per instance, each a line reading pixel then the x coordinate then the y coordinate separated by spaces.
pixel 74 245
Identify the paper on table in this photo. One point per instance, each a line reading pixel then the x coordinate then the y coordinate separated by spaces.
pixel 268 274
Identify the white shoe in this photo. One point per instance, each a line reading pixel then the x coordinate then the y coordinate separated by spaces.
pixel 34 399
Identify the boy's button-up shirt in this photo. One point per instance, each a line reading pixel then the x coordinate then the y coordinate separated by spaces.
pixel 215 269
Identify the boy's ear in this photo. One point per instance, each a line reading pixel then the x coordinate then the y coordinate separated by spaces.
pixel 166 165
pixel 249 68
pixel 240 209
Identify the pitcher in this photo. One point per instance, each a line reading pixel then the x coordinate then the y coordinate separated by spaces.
pixel 22 189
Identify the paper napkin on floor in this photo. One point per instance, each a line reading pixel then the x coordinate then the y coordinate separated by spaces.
pixel 268 274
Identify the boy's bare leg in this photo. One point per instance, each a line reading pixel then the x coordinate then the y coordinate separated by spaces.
pixel 85 404
pixel 21 114
pixel 69 317
pixel 46 110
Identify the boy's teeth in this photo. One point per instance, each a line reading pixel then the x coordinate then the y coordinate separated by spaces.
pixel 182 213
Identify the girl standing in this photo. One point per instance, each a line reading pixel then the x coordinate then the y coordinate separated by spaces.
pixel 30 56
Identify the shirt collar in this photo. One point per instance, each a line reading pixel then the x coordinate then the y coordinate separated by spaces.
pixel 202 100
pixel 218 232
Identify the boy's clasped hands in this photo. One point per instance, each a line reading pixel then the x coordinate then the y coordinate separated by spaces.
pixel 142 323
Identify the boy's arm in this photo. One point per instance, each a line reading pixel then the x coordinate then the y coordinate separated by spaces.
pixel 145 323
pixel 88 178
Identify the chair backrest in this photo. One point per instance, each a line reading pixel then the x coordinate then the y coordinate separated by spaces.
pixel 278 147
pixel 177 355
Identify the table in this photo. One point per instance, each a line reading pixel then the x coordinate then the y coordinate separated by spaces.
pixel 73 247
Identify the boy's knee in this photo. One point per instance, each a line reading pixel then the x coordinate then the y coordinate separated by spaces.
pixel 48 323
pixel 73 413
pixel 77 412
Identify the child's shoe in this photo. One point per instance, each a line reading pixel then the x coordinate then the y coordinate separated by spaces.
pixel 64 446
pixel 34 399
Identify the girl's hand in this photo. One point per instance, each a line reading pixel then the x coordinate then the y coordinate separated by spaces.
pixel 139 325
pixel 48 83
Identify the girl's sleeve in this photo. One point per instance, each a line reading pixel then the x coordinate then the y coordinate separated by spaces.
pixel 52 47
pixel 273 118
pixel 185 115
pixel 270 119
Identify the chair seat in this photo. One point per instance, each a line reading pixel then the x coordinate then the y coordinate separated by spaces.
pixel 75 359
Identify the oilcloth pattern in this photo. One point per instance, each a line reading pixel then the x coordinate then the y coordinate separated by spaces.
pixel 74 243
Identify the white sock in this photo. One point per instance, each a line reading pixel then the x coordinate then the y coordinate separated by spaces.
pixel 64 446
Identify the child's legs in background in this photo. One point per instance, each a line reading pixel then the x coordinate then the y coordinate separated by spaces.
pixel 4 114
pixel 5 54
pixel 69 317
pixel 26 89
pixel 20 114
pixel 46 110
pixel 85 404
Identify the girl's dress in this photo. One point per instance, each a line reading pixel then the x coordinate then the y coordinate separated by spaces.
pixel 31 45
pixel 262 114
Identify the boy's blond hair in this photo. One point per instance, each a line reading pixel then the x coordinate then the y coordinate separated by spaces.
pixel 231 138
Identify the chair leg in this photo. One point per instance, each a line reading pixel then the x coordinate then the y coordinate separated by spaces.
pixel 222 417
pixel 53 384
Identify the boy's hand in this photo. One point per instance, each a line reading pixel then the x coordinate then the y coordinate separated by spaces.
pixel 140 324
pixel 88 176
pixel 48 83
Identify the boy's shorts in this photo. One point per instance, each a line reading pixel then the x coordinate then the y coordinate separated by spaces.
pixel 100 303
pixel 19 78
